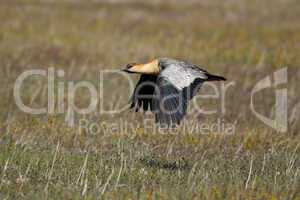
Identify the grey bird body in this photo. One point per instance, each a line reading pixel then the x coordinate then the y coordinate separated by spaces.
pixel 180 73
pixel 166 85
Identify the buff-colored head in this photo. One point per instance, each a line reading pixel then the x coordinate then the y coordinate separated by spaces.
pixel 151 68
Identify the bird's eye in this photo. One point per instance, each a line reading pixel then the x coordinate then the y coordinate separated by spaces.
pixel 128 66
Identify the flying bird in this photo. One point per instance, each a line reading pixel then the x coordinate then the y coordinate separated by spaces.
pixel 166 86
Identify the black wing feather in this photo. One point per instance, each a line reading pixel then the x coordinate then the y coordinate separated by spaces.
pixel 143 92
pixel 191 91
pixel 169 103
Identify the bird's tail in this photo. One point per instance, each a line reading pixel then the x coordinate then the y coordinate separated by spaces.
pixel 211 77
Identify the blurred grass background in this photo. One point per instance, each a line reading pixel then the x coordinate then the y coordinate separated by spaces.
pixel 41 157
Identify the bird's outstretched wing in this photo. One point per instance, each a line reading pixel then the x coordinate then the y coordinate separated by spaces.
pixel 169 104
pixel 176 86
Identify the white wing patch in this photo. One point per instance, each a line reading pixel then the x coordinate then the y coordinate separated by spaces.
pixel 181 77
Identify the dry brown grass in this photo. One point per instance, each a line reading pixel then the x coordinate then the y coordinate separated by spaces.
pixel 42 157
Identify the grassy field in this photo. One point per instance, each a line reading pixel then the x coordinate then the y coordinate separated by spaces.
pixel 43 157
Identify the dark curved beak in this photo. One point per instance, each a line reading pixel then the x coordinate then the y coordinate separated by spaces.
pixel 126 70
